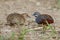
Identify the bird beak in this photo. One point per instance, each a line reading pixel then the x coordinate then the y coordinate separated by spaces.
pixel 29 16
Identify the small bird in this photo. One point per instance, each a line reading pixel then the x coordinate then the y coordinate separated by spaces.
pixel 16 18
pixel 43 19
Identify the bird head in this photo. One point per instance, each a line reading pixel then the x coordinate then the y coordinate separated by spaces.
pixel 36 14
pixel 26 15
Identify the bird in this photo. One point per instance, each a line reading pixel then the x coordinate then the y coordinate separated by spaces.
pixel 43 19
pixel 16 18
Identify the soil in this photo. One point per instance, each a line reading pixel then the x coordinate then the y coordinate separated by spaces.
pixel 29 6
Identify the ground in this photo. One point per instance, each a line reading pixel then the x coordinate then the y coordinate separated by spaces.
pixel 28 6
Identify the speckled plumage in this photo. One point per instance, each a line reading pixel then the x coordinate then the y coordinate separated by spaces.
pixel 15 18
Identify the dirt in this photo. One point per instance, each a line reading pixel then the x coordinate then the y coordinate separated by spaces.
pixel 29 6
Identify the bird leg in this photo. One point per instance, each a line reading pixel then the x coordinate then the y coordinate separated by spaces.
pixel 44 28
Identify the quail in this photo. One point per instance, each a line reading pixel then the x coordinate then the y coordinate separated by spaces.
pixel 16 18
pixel 44 19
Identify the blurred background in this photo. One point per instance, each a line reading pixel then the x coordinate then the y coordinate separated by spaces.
pixel 51 7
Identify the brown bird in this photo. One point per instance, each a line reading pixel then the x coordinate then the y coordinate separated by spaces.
pixel 16 18
pixel 43 19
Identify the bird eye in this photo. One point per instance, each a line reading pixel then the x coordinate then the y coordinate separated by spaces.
pixel 36 15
